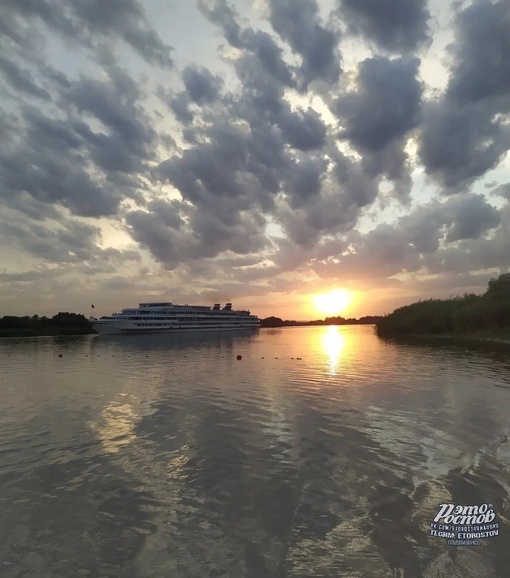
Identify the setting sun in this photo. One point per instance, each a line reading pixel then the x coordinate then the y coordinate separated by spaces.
pixel 332 303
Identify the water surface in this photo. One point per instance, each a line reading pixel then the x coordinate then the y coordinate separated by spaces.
pixel 323 452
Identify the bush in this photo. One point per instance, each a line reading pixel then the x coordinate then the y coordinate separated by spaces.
pixel 458 314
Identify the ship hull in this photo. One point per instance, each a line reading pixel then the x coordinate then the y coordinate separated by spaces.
pixel 114 328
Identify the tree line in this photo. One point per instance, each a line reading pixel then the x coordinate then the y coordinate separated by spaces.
pixel 490 311
pixel 278 322
pixel 63 323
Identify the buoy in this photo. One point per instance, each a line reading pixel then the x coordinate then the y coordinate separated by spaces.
pixel 239 357
pixel 299 358
pixel 60 355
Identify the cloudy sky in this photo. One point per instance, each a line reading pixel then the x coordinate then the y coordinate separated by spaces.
pixel 254 151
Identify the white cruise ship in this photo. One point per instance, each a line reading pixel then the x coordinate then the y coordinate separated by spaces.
pixel 169 318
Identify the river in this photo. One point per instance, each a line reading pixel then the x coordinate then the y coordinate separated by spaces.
pixel 321 452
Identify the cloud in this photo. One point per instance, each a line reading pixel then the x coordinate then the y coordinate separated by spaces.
pixel 503 191
pixel 180 106
pixel 470 217
pixel 459 144
pixel 298 23
pixel 60 158
pixel 303 129
pixel 55 179
pixel 115 103
pixel 260 167
pixel 393 25
pixel 260 155
pixel 385 105
pixel 379 114
pixel 201 85
pixel 258 43
pixel 306 179
pixel 69 242
pixel 174 240
pixel 358 187
pixel 90 22
pixel 201 88
pixel 221 13
pixel 420 241
pixel 482 53
pixel 465 133
pixel 21 80
pixel 269 54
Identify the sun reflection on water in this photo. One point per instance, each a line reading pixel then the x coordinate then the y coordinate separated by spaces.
pixel 116 427
pixel 333 343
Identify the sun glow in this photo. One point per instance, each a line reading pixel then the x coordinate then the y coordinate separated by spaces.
pixel 332 303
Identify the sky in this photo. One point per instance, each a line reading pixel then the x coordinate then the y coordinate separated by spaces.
pixel 254 151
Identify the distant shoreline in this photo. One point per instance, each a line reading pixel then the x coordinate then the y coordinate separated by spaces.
pixel 275 322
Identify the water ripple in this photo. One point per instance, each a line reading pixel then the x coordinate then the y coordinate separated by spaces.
pixel 321 452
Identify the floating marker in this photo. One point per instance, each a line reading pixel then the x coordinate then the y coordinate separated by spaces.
pixel 239 357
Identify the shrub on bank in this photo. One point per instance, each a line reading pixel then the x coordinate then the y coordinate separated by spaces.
pixel 455 315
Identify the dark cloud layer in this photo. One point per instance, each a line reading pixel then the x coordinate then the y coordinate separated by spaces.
pixel 465 133
pixel 394 25
pixel 21 80
pixel 89 21
pixel 257 174
pixel 298 23
pixel 482 53
pixel 53 156
pixel 386 104
pixel 74 242
pixel 201 85
pixel 379 115
pixel 458 144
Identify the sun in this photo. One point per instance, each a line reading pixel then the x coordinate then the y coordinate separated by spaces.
pixel 332 303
